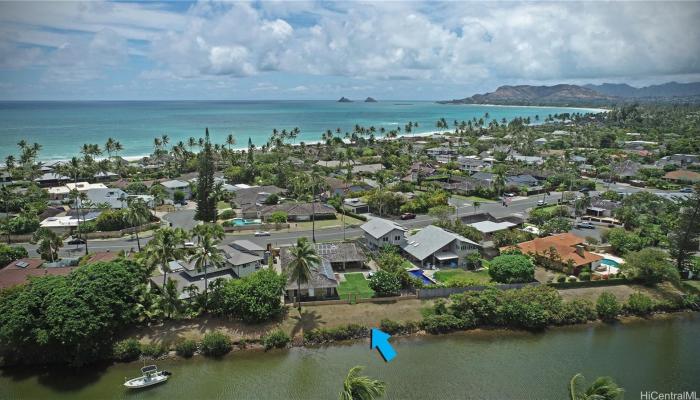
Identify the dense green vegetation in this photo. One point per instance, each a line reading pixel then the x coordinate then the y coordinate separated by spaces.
pixel 72 319
pixel 512 268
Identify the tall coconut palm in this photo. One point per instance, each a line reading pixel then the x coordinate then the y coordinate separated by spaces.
pixel 7 197
pixel 207 254
pixel 166 245
pixel 304 261
pixel 603 388
pixel 230 141
pixel 169 302
pixel 136 214
pixel 359 387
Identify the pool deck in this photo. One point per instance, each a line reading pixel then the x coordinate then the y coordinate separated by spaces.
pixel 611 257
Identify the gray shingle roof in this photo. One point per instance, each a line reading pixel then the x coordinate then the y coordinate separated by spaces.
pixel 322 276
pixel 431 239
pixel 378 227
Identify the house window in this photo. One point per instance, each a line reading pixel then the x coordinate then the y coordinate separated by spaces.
pixel 397 238
pixel 385 239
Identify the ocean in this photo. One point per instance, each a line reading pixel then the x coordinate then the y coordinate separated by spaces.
pixel 62 127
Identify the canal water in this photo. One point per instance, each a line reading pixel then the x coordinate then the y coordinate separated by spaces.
pixel 659 355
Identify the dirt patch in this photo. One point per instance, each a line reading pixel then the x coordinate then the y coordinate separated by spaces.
pixel 294 323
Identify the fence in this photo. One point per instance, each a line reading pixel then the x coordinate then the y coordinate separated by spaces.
pixel 255 227
pixel 431 293
pixel 354 299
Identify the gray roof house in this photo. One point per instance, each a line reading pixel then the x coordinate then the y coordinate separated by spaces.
pixel 322 284
pixel 379 232
pixel 436 247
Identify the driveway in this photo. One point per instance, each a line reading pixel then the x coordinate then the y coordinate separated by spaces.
pixel 181 219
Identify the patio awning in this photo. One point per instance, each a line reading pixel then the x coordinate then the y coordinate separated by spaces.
pixel 446 255
pixel 596 209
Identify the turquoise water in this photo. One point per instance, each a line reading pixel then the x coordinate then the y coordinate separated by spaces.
pixel 62 127
pixel 609 262
pixel 420 275
pixel 243 222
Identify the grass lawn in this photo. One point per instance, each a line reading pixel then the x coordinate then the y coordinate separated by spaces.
pixel 356 284
pixel 462 275
pixel 327 223
pixel 222 205
pixel 548 208
pixel 473 198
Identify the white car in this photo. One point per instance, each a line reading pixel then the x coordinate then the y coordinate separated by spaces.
pixel 541 203
pixel 189 244
pixel 262 233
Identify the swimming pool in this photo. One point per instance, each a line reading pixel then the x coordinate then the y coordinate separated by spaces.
pixel 242 222
pixel 420 275
pixel 609 262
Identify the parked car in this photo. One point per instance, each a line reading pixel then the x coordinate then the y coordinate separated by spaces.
pixel 686 190
pixel 585 225
pixel 189 244
pixel 408 216
pixel 262 233
pixel 541 203
pixel 75 240
pixel 510 194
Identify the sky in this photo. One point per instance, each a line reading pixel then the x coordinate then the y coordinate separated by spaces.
pixel 323 50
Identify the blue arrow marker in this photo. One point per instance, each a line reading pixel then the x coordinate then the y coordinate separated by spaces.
pixel 380 341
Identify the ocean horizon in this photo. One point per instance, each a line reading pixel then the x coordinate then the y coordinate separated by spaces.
pixel 62 127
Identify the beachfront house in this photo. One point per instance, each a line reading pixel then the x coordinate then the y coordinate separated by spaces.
pixel 379 232
pixel 434 247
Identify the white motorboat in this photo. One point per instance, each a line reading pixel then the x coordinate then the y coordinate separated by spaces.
pixel 150 376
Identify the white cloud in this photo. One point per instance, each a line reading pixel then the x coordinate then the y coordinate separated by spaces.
pixel 447 43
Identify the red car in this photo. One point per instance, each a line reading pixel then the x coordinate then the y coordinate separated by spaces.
pixel 408 216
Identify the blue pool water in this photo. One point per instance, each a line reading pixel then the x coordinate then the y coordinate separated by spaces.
pixel 607 261
pixel 242 222
pixel 419 274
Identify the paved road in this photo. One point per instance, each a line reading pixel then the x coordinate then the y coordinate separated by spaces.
pixel 185 220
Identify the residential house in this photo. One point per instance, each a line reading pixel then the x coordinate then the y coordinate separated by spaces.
pixel 528 160
pixel 174 186
pixel 255 195
pixel 242 258
pixel 540 141
pixel 322 284
pixel 602 207
pixel 51 179
pixel 472 164
pixel 68 222
pixel 341 255
pixel 679 160
pixel 338 187
pixel 356 206
pixel 18 272
pixel 565 252
pixel 436 247
pixel 334 163
pixel 682 176
pixel 379 232
pixel 367 169
pixel 295 211
pixel 489 228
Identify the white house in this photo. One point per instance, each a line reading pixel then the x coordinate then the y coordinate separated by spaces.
pixel 379 232
pixel 177 186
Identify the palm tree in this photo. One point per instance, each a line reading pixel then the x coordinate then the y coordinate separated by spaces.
pixel 169 301
pixel 49 243
pixel 136 214
pixel 304 261
pixel 206 254
pixel 166 245
pixel 603 388
pixel 359 387
pixel 7 196
pixel 230 141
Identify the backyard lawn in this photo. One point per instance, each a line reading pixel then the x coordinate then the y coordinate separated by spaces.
pixel 355 284
pixel 474 198
pixel 457 275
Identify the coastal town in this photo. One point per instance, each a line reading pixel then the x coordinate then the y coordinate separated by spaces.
pixel 586 216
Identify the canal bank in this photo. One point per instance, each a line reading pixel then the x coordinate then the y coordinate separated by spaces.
pixel 660 354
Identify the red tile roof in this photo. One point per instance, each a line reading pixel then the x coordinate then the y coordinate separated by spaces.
pixel 13 277
pixel 25 263
pixel 683 175
pixel 565 245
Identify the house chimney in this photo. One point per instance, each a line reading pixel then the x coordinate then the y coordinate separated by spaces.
pixel 579 249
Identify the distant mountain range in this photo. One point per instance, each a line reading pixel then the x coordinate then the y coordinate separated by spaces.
pixel 607 93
